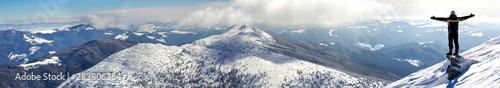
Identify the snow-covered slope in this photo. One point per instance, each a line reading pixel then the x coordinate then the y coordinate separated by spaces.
pixel 481 70
pixel 20 47
pixel 237 58
pixel 421 42
pixel 68 61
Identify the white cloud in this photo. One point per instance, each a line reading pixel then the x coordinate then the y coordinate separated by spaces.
pixel 329 13
pixel 112 18
pixel 322 13
pixel 141 15
pixel 315 13
pixel 101 21
pixel 485 10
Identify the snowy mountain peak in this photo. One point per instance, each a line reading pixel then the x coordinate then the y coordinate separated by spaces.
pixel 243 34
pixel 249 31
pixel 237 58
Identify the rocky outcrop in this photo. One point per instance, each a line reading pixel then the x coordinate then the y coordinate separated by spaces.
pixel 453 73
pixel 457 66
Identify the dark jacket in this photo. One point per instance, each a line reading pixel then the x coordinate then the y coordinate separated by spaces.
pixel 452 22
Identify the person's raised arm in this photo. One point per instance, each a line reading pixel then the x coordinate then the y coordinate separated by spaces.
pixel 466 17
pixel 440 18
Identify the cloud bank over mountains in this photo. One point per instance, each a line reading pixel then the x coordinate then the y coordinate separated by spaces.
pixel 322 13
pixel 100 21
pixel 300 13
pixel 330 13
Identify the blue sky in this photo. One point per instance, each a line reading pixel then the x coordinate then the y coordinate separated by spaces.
pixel 322 13
pixel 25 9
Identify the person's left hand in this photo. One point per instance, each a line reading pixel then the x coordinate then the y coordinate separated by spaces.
pixel 472 15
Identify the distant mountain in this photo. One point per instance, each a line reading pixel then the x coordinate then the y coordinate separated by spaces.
pixel 379 34
pixel 343 57
pixel 377 50
pixel 20 46
pixel 243 56
pixel 45 38
pixel 421 54
pixel 67 61
pixel 422 43
pixel 479 68
pixel 12 42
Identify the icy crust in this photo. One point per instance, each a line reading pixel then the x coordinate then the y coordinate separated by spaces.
pixel 479 69
pixel 236 58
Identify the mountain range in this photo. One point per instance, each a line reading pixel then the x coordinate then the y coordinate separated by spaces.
pixel 356 55
pixel 67 61
pixel 22 46
pixel 240 57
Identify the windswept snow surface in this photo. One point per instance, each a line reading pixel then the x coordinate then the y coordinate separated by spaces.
pixel 237 58
pixel 481 70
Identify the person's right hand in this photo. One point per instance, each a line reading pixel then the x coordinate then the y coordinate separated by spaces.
pixel 472 15
pixel 433 17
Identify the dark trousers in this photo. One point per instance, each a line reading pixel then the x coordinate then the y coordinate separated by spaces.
pixel 453 38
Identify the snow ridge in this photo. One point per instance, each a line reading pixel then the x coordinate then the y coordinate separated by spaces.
pixel 237 58
pixel 480 68
pixel 36 40
pixel 52 60
pixel 248 33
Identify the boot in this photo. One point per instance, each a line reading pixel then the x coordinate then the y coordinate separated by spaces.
pixel 449 53
pixel 456 54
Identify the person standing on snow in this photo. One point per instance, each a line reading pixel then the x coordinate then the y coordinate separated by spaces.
pixel 452 29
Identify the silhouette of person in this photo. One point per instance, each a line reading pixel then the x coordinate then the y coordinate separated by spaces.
pixel 452 29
